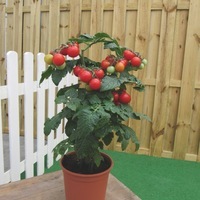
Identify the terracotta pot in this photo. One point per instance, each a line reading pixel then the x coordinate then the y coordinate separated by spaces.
pixel 86 186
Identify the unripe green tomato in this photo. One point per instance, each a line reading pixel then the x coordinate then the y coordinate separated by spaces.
pixel 141 66
pixel 61 67
pixel 144 61
pixel 110 69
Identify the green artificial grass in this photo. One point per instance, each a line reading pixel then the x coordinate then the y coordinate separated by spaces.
pixel 154 178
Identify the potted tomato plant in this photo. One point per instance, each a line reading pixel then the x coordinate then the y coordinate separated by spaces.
pixel 94 109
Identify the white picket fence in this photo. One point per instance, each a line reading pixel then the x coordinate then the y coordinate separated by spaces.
pixel 45 101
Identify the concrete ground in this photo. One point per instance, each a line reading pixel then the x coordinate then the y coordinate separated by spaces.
pixel 6 150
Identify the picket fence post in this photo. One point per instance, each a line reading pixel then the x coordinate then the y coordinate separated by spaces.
pixel 1 150
pixel 13 114
pixel 28 114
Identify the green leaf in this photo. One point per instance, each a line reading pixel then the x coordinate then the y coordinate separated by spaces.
pixel 97 158
pixel 52 124
pixel 132 134
pixel 94 99
pixel 140 116
pixel 61 148
pixel 46 74
pixel 86 121
pixel 102 35
pixel 124 144
pixel 110 45
pixel 63 90
pixel 70 98
pixel 107 139
pixel 109 83
pixel 57 76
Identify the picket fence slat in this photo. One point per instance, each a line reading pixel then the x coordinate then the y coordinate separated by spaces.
pixel 45 107
pixel 1 150
pixel 28 115
pixel 13 115
pixel 40 117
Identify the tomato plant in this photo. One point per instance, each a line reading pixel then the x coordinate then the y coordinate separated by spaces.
pixel 96 107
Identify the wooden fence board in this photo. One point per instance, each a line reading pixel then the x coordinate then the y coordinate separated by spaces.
pixel 187 85
pixel 160 112
pixel 141 45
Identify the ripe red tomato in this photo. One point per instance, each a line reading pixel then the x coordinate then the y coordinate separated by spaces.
pixel 95 84
pixel 58 59
pixel 124 61
pixel 111 59
pixel 124 98
pixel 115 96
pixel 85 76
pixel 73 51
pixel 119 67
pixel 105 64
pixel 64 50
pixel 76 70
pixel 128 55
pixel 136 61
pixel 99 73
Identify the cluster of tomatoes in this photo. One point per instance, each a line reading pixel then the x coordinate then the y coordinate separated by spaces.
pixel 93 77
pixel 57 58
pixel 111 64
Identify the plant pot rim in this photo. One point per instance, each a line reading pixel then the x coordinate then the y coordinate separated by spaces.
pixel 87 175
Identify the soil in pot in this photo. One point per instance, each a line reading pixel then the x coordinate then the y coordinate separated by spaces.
pixel 71 163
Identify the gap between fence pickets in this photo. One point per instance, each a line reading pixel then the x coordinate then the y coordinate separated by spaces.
pixel 12 91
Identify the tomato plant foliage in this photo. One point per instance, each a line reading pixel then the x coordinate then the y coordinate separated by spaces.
pixel 93 118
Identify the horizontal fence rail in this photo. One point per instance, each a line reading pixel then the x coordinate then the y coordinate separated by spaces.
pixel 36 146
pixel 166 32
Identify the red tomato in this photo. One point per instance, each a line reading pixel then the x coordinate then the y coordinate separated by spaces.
pixel 73 51
pixel 128 55
pixel 124 61
pixel 99 73
pixel 115 96
pixel 105 64
pixel 136 61
pixel 95 84
pixel 64 50
pixel 58 59
pixel 77 69
pixel 124 98
pixel 111 59
pixel 85 76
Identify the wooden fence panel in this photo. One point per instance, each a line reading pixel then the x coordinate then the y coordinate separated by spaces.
pixel 164 31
